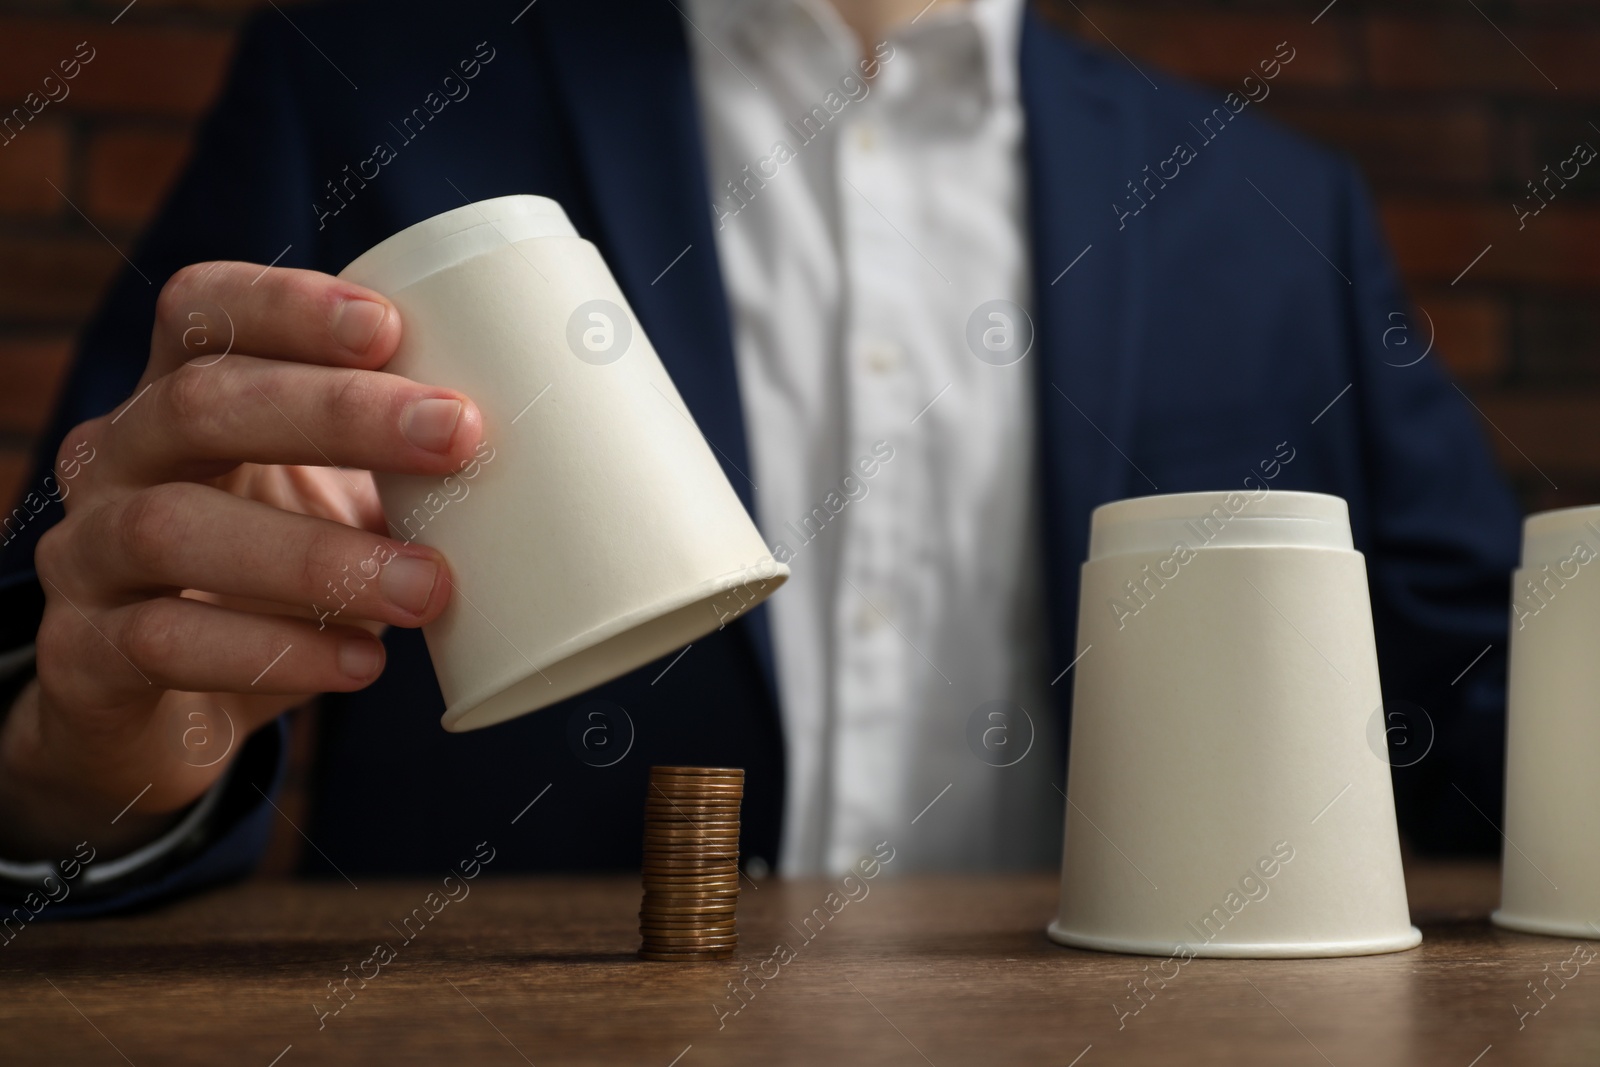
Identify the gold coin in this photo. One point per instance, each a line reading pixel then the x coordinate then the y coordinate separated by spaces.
pixel 688 835
pixel 678 820
pixel 695 784
pixel 676 802
pixel 691 785
pixel 711 924
pixel 726 851
pixel 732 771
pixel 670 842
pixel 686 957
pixel 688 903
pixel 724 932
pixel 680 812
pixel 722 861
pixel 718 899
pixel 673 938
pixel 709 786
pixel 674 805
pixel 697 772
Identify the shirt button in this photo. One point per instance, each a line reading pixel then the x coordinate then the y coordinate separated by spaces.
pixel 868 618
pixel 882 356
pixel 866 136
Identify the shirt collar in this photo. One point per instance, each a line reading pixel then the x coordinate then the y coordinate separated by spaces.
pixel 997 23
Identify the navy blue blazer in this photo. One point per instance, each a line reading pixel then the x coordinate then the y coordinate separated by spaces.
pixel 1245 304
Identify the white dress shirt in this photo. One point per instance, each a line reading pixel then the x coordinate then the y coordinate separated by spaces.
pixel 860 225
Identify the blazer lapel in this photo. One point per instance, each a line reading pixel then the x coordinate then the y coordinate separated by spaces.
pixel 623 71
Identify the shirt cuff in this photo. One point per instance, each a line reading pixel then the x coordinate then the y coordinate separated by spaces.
pixel 16 670
pixel 103 872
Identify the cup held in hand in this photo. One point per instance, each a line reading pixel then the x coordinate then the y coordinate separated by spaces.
pixel 594 530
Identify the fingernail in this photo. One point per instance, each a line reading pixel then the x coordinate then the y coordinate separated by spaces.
pixel 356 322
pixel 360 659
pixel 409 582
pixel 430 424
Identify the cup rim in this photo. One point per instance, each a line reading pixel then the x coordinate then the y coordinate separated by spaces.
pixel 455 716
pixel 402 259
pixel 1547 536
pixel 1278 518
pixel 1524 924
pixel 1410 938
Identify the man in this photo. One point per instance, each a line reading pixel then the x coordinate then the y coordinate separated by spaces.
pixel 1036 276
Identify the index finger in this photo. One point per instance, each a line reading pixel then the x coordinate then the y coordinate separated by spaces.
pixel 211 310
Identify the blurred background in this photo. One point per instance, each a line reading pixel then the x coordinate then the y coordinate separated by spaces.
pixel 1450 107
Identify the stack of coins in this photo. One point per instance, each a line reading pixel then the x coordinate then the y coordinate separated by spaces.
pixel 691 863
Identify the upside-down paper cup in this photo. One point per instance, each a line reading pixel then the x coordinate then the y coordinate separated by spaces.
pixel 1550 878
pixel 594 530
pixel 1222 798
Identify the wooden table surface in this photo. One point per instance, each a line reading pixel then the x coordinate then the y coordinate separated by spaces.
pixel 921 970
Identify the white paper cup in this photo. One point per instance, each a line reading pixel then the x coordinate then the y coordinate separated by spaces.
pixel 1222 796
pixel 595 532
pixel 1550 877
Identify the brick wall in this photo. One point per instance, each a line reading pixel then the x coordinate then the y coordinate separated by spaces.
pixel 1451 107
pixel 109 147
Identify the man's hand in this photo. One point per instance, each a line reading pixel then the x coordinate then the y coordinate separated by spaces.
pixel 223 555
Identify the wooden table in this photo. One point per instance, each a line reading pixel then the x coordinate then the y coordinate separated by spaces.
pixel 921 970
